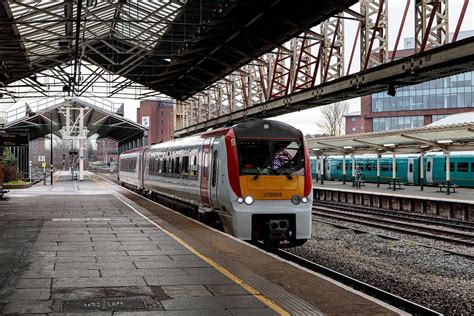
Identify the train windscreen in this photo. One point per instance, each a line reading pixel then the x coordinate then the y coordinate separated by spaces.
pixel 276 157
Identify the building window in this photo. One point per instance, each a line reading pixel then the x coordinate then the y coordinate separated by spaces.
pixel 396 122
pixel 353 119
pixel 353 129
pixel 444 93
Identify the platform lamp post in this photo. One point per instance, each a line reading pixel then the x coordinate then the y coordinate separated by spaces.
pixel 51 149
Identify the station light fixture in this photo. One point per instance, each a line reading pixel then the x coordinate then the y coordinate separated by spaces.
pixel 316 149
pixel 389 145
pixel 347 147
pixel 445 141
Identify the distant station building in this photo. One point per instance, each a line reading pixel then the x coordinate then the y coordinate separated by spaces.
pixel 157 116
pixel 416 105
pixel 354 123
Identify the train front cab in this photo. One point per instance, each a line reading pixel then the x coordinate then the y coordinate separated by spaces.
pixel 274 189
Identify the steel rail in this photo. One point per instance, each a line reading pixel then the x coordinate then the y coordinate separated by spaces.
pixel 385 224
pixel 456 224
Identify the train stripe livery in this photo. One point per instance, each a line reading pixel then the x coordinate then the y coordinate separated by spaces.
pixel 407 168
pixel 253 178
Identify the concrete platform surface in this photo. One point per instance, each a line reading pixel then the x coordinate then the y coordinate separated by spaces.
pixel 79 247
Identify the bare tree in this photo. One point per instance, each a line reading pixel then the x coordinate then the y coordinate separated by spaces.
pixel 332 118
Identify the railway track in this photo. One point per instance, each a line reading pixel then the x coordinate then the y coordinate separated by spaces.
pixel 391 299
pixel 440 229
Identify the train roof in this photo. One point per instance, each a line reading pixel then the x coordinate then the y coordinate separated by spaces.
pixel 268 129
pixel 253 128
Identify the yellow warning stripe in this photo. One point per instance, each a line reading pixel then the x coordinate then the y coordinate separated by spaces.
pixel 255 293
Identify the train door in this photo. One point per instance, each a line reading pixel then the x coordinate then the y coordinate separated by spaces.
pixel 429 170
pixel 204 180
pixel 214 174
pixel 410 170
pixel 328 169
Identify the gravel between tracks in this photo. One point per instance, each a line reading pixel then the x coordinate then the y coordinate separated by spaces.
pixel 427 276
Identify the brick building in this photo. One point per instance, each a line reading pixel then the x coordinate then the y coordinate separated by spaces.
pixel 354 123
pixel 158 117
pixel 417 105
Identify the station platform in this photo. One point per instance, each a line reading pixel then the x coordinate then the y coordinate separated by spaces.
pixel 431 202
pixel 410 191
pixel 93 246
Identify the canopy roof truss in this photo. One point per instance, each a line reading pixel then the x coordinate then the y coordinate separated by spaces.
pixel 177 47
pixel 104 119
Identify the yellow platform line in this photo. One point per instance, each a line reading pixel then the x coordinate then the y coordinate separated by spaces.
pixel 254 292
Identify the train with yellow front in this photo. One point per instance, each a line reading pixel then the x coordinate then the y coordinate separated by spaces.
pixel 253 178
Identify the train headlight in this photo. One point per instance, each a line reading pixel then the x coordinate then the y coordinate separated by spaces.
pixel 240 200
pixel 248 200
pixel 304 199
pixel 296 199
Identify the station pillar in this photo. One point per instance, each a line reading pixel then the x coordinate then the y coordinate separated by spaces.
pixel 448 172
pixel 344 169
pixel 378 170
pixel 421 172
pixel 322 170
pixel 353 169
pixel 81 144
pixel 394 169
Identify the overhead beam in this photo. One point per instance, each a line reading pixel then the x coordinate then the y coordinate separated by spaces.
pixel 438 62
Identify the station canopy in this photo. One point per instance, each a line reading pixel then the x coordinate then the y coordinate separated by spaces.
pixel 176 47
pixel 453 137
pixel 104 119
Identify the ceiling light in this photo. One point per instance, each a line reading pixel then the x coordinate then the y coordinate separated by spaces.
pixel 347 147
pixel 389 145
pixel 445 141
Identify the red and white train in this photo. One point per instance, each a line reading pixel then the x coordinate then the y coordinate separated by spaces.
pixel 254 177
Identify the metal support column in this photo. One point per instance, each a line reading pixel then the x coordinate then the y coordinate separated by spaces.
pixel 394 170
pixel 378 170
pixel 353 169
pixel 81 144
pixel 421 171
pixel 448 172
pixel 322 169
pixel 431 24
pixel 374 33
pixel 344 169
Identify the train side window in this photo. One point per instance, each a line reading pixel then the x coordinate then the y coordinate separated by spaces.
pixel 368 167
pixel 410 169
pixel 214 169
pixel 185 165
pixel 451 166
pixel 193 169
pixel 176 165
pixel 385 167
pixel 165 162
pixel 170 166
pixel 463 167
pixel 428 166
pixel 339 166
pixel 472 166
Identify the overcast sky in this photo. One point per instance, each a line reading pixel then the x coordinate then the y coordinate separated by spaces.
pixel 306 120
